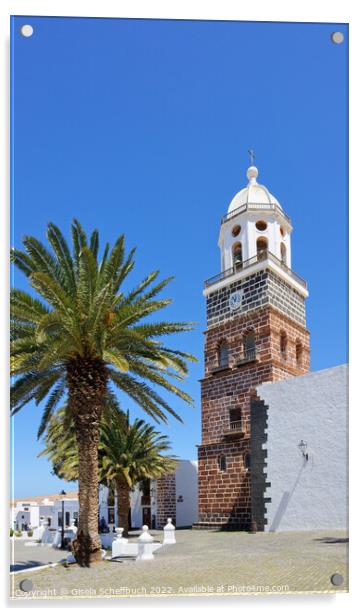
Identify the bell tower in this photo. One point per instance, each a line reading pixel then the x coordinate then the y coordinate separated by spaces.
pixel 256 332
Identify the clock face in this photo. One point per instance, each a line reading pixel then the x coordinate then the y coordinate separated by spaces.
pixel 235 300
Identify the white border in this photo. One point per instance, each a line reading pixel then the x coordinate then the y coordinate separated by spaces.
pixel 264 10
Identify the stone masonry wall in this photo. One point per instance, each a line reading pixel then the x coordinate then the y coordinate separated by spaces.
pixel 257 290
pixel 166 499
pixel 225 496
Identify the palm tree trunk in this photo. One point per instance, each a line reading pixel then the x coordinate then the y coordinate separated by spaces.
pixel 87 385
pixel 122 490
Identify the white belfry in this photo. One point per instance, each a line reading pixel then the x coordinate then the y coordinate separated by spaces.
pixel 254 224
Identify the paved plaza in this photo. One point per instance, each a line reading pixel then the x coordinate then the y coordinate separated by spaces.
pixel 201 562
pixel 23 556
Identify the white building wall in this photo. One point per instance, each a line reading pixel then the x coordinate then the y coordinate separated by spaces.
pixel 103 503
pixel 46 512
pixel 136 507
pixel 22 519
pixel 186 509
pixel 186 493
pixel 310 494
pixel 23 513
pixel 70 505
pixel 34 516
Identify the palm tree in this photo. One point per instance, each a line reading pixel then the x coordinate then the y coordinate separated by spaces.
pixel 129 453
pixel 81 334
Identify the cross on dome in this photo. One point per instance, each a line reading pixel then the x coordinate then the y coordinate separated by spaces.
pixel 252 156
pixel 253 193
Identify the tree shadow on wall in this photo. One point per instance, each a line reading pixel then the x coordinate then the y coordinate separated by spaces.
pixel 285 500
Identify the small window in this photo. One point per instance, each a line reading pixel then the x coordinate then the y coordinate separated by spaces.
pixel 222 463
pixel 299 352
pixel 237 255
pixel 249 345
pixel 236 230
pixel 262 248
pixel 59 518
pixel 282 231
pixel 68 518
pixel 283 345
pixel 223 355
pixel 261 225
pixel 247 461
pixel 283 253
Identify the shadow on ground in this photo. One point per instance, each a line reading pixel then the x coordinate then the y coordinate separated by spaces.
pixel 19 566
pixel 332 539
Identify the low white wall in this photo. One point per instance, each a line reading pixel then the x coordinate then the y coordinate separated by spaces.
pixel 308 494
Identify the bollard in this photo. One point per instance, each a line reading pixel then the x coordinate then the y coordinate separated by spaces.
pixel 38 532
pixel 47 536
pixel 145 547
pixel 118 543
pixel 253 527
pixel 169 536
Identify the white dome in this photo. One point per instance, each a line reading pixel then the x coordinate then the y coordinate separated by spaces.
pixel 253 193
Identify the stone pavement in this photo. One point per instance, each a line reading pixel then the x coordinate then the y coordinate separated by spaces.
pixel 23 556
pixel 205 562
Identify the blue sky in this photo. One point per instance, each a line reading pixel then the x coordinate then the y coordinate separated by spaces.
pixel 142 127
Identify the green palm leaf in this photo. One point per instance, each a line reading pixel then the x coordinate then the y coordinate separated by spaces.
pixel 79 333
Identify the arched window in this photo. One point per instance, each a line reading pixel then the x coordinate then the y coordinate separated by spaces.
pixel 299 351
pixel 247 461
pixel 249 345
pixel 223 355
pixel 222 462
pixel 283 345
pixel 237 255
pixel 262 248
pixel 283 253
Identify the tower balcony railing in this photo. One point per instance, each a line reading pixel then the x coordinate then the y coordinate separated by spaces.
pixel 220 367
pixel 274 207
pixel 263 255
pixel 234 427
pixel 249 355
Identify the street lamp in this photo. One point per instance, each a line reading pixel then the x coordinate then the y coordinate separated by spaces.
pixel 62 493
pixel 302 446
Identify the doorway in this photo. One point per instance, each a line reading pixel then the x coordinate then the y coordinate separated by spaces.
pixel 147 518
